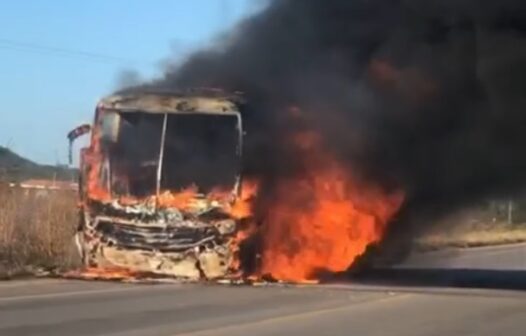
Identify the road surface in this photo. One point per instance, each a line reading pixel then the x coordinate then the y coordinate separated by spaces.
pixel 66 307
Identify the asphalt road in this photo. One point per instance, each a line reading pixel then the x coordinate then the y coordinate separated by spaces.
pixel 66 307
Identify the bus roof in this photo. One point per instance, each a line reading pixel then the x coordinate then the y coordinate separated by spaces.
pixel 166 102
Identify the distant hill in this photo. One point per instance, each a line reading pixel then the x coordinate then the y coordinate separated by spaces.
pixel 13 167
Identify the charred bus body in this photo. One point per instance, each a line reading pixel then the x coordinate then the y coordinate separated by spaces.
pixel 157 182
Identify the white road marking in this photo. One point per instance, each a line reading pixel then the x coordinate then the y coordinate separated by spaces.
pixel 79 293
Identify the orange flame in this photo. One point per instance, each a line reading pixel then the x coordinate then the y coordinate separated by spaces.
pixel 179 200
pixel 242 207
pixel 93 159
pixel 102 273
pixel 322 220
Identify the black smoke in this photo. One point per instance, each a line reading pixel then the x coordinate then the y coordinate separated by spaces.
pixel 427 96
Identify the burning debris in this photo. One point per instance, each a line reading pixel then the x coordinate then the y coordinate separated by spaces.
pixel 401 108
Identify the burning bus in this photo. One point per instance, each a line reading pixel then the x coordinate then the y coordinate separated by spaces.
pixel 160 183
pixel 161 191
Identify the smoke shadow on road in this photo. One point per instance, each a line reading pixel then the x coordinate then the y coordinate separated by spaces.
pixel 437 277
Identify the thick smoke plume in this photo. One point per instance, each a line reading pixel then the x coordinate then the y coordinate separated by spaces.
pixel 425 96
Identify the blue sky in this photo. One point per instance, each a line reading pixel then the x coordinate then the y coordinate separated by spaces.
pixel 57 58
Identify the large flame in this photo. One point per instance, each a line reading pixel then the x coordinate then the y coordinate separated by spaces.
pixel 322 220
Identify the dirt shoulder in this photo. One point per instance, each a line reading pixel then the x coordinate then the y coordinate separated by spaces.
pixel 473 237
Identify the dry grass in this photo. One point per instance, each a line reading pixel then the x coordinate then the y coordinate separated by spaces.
pixel 35 230
pixel 472 233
